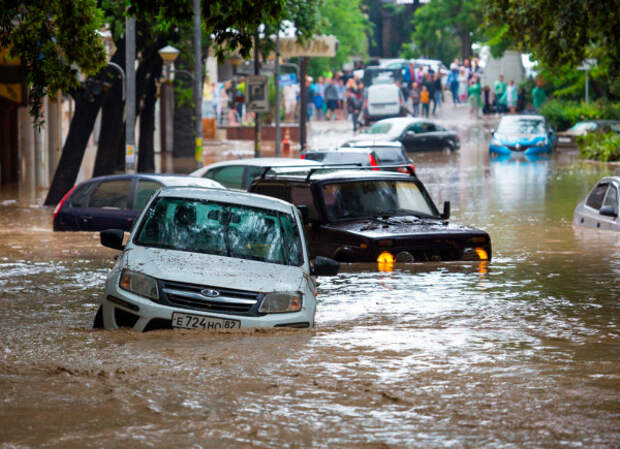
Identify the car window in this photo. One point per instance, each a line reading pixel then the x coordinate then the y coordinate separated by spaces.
pixel 612 198
pixel 521 126
pixel 303 195
pixel 254 172
pixel 346 157
pixel 389 155
pixel 595 200
pixel 428 127
pixel 379 128
pixel 276 190
pixel 583 126
pixel 79 197
pixel 144 191
pixel 223 229
pixel 415 127
pixel 361 199
pixel 231 176
pixel 111 194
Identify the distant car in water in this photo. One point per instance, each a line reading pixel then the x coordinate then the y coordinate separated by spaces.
pixel 114 201
pixel 366 154
pixel 239 173
pixel 525 134
pixel 601 207
pixel 568 138
pixel 415 134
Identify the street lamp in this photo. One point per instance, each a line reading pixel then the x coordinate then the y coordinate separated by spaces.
pixel 168 54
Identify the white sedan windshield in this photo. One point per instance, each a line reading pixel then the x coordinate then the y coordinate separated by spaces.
pixel 223 229
pixel 362 199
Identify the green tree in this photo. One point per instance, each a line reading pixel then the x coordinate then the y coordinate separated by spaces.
pixel 561 34
pixel 345 20
pixel 55 39
pixel 443 27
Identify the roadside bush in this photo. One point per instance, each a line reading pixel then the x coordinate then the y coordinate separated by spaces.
pixel 599 146
pixel 564 114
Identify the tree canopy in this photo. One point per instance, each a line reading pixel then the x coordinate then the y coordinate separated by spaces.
pixel 560 33
pixel 447 28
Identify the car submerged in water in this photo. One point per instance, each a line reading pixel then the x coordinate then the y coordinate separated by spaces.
pixel 362 215
pixel 212 259
pixel 522 134
pixel 601 207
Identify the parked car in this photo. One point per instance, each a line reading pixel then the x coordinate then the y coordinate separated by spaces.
pixel 238 173
pixel 114 201
pixel 381 101
pixel 361 215
pixel 381 75
pixel 601 206
pixel 373 154
pixel 415 134
pixel 212 259
pixel 526 134
pixel 568 138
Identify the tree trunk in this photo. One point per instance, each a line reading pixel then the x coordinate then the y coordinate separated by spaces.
pixel 146 154
pixel 465 45
pixel 183 113
pixel 87 104
pixel 112 135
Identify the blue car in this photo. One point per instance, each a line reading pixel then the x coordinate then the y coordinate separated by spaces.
pixel 522 134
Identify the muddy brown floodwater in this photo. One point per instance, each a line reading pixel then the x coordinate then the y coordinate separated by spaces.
pixel 522 352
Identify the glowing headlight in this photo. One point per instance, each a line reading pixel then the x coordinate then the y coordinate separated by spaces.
pixel 281 302
pixel 542 143
pixel 139 284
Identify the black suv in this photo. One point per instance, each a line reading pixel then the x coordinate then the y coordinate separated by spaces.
pixel 358 215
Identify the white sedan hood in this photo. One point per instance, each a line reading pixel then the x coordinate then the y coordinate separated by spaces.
pixel 212 270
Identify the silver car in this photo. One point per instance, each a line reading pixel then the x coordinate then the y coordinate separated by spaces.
pixel 601 206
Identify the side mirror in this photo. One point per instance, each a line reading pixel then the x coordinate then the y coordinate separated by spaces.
pixel 324 266
pixel 446 210
pixel 492 132
pixel 112 238
pixel 608 211
pixel 303 210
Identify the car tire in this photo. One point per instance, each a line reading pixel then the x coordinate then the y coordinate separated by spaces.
pixel 98 321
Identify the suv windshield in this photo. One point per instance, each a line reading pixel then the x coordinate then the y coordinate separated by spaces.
pixel 223 229
pixel 361 199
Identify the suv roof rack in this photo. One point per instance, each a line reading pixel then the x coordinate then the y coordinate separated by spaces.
pixel 357 166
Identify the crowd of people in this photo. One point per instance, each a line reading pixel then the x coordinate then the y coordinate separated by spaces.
pixel 340 95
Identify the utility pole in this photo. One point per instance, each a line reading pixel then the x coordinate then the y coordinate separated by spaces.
pixel 304 105
pixel 198 80
pixel 131 152
pixel 277 83
pixel 256 114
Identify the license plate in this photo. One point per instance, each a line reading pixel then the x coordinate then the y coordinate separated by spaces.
pixel 564 139
pixel 189 321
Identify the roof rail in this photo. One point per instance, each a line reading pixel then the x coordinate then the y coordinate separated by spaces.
pixel 305 167
pixel 312 170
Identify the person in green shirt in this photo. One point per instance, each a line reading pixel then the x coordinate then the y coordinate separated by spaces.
pixel 500 94
pixel 538 95
pixel 475 97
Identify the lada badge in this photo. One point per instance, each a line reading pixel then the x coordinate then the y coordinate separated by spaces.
pixel 209 293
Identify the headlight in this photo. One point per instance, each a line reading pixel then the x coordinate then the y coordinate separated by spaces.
pixel 139 284
pixel 281 302
pixel 542 143
pixel 496 142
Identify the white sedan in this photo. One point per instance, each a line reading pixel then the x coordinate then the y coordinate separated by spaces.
pixel 601 206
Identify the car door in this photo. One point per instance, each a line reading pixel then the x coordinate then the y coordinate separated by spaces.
pixel 590 216
pixel 431 136
pixel 108 207
pixel 443 137
pixel 413 138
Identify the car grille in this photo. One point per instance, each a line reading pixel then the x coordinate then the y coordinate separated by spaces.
pixel 220 300
pixel 433 250
pixel 517 147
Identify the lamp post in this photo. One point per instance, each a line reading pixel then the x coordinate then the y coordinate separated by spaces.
pixel 168 55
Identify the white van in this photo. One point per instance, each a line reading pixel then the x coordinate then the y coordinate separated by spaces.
pixel 212 259
pixel 383 101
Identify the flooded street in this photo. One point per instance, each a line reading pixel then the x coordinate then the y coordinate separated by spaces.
pixel 520 352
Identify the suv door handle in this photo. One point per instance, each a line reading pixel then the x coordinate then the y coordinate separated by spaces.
pixel 86 219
